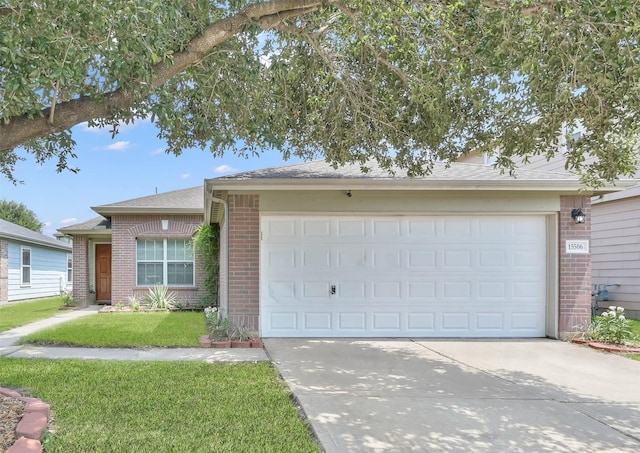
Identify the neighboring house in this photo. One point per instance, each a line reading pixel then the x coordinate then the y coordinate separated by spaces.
pixel 312 251
pixel 615 236
pixel 137 244
pixel 32 265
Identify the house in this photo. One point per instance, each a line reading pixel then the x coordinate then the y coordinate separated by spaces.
pixel 312 251
pixel 615 237
pixel 137 244
pixel 32 265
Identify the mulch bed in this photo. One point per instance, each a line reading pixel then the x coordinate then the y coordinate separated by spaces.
pixel 11 412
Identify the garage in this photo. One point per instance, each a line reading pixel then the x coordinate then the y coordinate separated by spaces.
pixel 456 275
pixel 314 250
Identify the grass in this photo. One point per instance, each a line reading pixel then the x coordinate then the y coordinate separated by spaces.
pixel 126 330
pixel 635 329
pixel 20 313
pixel 163 406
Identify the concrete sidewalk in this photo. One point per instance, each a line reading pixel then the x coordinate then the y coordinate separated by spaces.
pixel 10 348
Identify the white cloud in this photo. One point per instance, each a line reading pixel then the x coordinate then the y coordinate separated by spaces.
pixel 156 151
pixel 224 169
pixel 122 126
pixel 68 221
pixel 185 176
pixel 46 224
pixel 118 146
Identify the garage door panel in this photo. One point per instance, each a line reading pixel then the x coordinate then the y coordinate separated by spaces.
pixel 438 323
pixel 403 276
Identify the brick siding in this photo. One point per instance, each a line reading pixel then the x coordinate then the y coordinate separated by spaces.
pixel 575 269
pixel 244 263
pixel 81 268
pixel 244 260
pixel 125 230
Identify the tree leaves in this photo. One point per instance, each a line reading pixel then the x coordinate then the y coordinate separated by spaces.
pixel 404 82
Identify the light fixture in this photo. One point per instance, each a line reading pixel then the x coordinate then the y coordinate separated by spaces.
pixel 578 216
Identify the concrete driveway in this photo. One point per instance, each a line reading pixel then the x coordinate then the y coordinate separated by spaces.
pixel 493 396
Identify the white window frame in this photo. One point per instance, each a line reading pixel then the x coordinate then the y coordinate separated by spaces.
pixel 165 263
pixel 24 266
pixel 490 159
pixel 69 268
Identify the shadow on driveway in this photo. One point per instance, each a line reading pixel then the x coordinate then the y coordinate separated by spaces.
pixel 493 396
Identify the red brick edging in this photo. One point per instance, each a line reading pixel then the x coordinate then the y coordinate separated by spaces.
pixel 615 348
pixel 33 424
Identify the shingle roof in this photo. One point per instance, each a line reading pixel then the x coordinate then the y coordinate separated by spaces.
pixel 95 224
pixel 178 201
pixel 320 175
pixel 10 230
pixel 320 169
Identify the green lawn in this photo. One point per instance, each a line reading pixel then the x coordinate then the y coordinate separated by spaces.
pixel 131 329
pixel 163 406
pixel 20 313
pixel 635 329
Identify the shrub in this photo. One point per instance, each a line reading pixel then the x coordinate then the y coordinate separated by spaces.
pixel 610 327
pixel 161 297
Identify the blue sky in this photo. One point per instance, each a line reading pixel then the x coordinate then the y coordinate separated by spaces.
pixel 131 165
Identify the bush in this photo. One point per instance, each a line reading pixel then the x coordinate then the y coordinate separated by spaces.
pixel 161 297
pixel 610 327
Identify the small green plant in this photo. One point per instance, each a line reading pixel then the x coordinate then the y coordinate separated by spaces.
pixel 47 441
pixel 119 305
pixel 68 298
pixel 134 303
pixel 241 333
pixel 610 327
pixel 217 324
pixel 161 297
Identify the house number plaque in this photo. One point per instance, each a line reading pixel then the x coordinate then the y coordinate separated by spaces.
pixel 577 246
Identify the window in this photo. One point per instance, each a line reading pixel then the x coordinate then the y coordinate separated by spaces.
pixel 164 262
pixel 69 268
pixel 490 159
pixel 25 266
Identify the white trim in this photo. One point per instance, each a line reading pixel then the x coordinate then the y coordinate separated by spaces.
pixel 165 263
pixel 548 293
pixel 25 266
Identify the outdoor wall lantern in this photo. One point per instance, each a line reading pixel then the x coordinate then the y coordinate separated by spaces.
pixel 578 216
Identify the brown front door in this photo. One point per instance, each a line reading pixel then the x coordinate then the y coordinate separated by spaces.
pixel 103 272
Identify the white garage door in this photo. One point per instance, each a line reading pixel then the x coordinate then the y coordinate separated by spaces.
pixel 455 276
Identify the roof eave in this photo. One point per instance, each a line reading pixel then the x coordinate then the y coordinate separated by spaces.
pixel 107 211
pixel 88 232
pixel 61 246
pixel 568 185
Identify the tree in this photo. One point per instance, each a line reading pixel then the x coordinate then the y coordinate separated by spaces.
pixel 404 82
pixel 18 213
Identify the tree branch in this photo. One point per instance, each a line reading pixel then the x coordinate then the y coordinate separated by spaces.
pixel 6 11
pixel 17 130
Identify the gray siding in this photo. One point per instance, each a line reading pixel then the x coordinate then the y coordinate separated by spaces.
pixel 615 247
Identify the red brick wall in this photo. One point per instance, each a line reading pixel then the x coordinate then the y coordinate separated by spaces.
pixel 244 260
pixel 125 230
pixel 575 269
pixel 81 268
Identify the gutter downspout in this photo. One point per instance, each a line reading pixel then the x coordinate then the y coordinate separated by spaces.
pixel 224 303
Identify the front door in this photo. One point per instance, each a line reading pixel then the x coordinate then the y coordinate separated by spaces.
pixel 103 272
